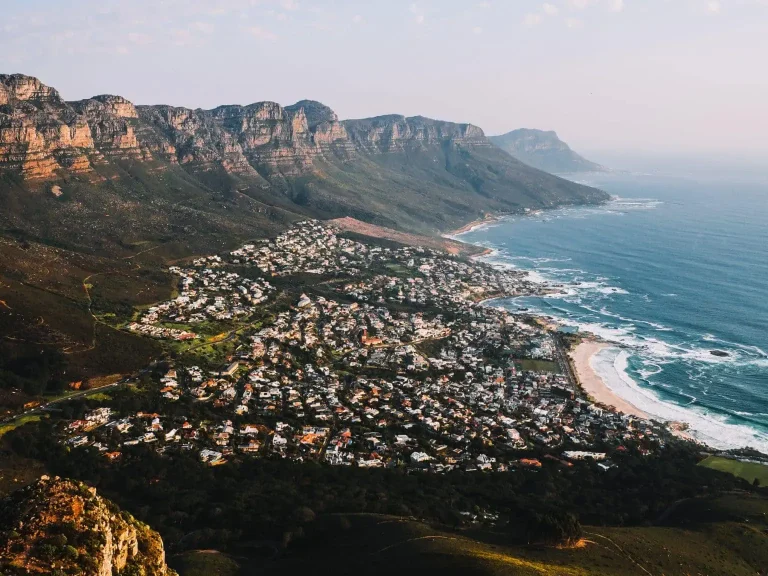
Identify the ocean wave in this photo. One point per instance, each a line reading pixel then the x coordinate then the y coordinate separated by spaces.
pixel 660 359
pixel 612 365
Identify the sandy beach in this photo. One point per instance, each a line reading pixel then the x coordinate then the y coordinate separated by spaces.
pixel 593 385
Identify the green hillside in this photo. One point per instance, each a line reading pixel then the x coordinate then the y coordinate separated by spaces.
pixel 731 541
pixel 750 471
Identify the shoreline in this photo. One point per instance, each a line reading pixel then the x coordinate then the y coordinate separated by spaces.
pixel 594 385
pixel 488 219
pixel 595 378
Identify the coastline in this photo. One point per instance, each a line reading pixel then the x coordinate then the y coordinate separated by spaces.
pixel 610 378
pixel 488 219
pixel 593 385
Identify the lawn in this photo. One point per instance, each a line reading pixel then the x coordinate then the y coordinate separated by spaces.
pixel 747 470
pixel 539 365
pixel 5 428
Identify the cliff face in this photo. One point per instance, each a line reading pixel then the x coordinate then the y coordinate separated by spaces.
pixel 62 525
pixel 543 150
pixel 41 134
pixel 401 134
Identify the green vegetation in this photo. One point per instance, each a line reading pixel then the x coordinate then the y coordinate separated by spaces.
pixel 5 428
pixel 539 365
pixel 379 544
pixel 750 471
pixel 204 563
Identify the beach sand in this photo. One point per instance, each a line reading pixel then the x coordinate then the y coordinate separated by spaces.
pixel 593 385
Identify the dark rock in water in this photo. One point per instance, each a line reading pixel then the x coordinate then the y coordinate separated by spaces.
pixel 719 353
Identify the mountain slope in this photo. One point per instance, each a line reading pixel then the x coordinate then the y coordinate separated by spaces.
pixel 299 159
pixel 543 150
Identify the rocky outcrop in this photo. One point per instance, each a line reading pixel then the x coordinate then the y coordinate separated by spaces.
pixel 41 135
pixel 544 150
pixel 20 88
pixel 63 527
pixel 400 134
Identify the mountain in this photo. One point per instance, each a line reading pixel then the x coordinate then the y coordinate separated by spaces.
pixel 544 150
pixel 58 526
pixel 99 195
pixel 270 162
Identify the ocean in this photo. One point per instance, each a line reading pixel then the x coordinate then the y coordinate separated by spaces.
pixel 670 270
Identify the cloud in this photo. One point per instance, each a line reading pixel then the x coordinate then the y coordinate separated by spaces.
pixel 181 37
pixel 139 38
pixel 203 27
pixel 532 20
pixel 713 7
pixel 581 4
pixel 418 14
pixel 550 9
pixel 261 33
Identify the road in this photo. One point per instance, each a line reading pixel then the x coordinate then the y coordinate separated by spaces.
pixel 563 360
pixel 48 405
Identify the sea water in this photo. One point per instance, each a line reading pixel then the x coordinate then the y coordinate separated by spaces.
pixel 670 270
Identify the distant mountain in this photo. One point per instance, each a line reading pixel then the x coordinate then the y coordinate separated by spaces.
pixel 544 150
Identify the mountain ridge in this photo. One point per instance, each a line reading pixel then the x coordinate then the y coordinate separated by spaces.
pixel 289 150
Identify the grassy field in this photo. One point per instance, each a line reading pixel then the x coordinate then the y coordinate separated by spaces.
pixel 747 470
pixel 204 563
pixel 5 428
pixel 539 365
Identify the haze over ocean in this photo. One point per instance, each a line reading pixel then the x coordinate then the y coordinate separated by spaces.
pixel 671 269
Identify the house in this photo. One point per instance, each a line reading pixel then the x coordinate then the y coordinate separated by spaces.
pixel 230 370
pixel 418 457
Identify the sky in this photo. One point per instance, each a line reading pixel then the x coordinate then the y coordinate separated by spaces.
pixel 655 76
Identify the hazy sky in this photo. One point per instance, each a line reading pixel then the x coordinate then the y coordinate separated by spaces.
pixel 681 76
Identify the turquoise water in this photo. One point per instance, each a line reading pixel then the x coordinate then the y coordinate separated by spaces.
pixel 670 270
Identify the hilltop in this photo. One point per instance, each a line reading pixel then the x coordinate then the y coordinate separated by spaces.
pixel 58 526
pixel 544 150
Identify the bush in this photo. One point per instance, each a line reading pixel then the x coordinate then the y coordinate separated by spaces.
pixel 47 552
pixel 553 528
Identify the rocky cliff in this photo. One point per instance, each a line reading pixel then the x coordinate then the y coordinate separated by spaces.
pixel 42 136
pixel 400 172
pixel 58 526
pixel 544 150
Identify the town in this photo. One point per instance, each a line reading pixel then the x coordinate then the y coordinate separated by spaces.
pixel 391 358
